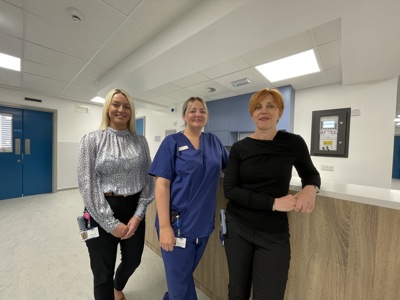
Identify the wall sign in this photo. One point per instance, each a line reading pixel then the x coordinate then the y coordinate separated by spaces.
pixel 330 132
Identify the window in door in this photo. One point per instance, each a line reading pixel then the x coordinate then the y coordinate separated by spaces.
pixel 5 132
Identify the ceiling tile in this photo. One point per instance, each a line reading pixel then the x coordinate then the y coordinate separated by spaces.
pixel 129 37
pixel 221 96
pixel 47 71
pixel 124 6
pixel 332 76
pixel 166 88
pixel 49 35
pixel 189 80
pixel 93 70
pixel 227 67
pixel 11 19
pixel 202 89
pixel 10 77
pixel 39 83
pixel 329 55
pixel 52 58
pixel 99 20
pixel 326 32
pixel 289 46
pixel 180 95
pixel 146 95
pixel 40 80
pixel 85 81
pixel 10 45
pixel 301 82
pixel 108 57
pixel 164 100
pixel 162 13
pixel 15 2
pixel 78 91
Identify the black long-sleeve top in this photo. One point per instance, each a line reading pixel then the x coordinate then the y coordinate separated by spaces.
pixel 259 171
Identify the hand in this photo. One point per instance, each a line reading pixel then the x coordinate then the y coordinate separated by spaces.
pixel 132 226
pixel 286 203
pixel 167 238
pixel 120 231
pixel 306 199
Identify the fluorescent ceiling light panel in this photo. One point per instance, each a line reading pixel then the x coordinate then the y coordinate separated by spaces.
pixel 292 66
pixel 10 62
pixel 98 99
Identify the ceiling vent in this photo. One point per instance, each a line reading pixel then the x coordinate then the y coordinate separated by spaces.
pixel 32 99
pixel 240 82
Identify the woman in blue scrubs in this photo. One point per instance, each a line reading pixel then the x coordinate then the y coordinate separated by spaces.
pixel 187 167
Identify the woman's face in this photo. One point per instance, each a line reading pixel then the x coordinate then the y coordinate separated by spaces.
pixel 119 112
pixel 196 115
pixel 266 114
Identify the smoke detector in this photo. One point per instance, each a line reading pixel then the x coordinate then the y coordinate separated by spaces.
pixel 75 14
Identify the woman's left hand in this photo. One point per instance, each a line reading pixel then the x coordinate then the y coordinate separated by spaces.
pixel 132 225
pixel 305 199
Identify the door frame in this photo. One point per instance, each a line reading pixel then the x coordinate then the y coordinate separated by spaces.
pixel 54 146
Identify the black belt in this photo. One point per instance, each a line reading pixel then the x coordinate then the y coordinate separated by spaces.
pixel 111 194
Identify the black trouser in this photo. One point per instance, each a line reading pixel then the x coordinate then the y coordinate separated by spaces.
pixel 103 250
pixel 256 258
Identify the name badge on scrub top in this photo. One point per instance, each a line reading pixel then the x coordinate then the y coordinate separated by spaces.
pixel 183 148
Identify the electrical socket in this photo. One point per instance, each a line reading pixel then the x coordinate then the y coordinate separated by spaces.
pixel 328 168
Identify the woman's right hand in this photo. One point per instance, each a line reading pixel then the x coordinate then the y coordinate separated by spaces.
pixel 167 238
pixel 286 203
pixel 120 231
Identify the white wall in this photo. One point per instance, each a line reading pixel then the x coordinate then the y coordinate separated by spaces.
pixel 71 126
pixel 371 134
pixel 156 124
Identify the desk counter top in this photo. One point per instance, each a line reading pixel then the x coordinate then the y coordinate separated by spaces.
pixel 382 197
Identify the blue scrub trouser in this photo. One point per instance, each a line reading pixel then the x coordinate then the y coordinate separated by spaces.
pixel 179 267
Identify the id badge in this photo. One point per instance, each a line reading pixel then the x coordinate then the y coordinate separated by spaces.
pixel 89 233
pixel 180 242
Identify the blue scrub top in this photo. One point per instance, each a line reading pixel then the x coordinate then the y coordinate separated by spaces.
pixel 194 175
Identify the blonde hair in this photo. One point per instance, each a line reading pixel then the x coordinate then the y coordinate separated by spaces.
pixel 105 120
pixel 257 97
pixel 188 103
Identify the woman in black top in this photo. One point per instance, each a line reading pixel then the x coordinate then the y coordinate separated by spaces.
pixel 256 183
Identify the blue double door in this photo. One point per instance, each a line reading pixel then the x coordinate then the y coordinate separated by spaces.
pixel 26 162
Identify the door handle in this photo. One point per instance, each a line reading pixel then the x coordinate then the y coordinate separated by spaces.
pixel 17 146
pixel 27 146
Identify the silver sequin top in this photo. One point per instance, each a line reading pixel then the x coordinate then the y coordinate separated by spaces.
pixel 113 161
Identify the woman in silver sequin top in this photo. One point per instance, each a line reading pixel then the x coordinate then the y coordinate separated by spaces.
pixel 116 190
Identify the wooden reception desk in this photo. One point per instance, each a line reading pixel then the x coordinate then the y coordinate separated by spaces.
pixel 348 248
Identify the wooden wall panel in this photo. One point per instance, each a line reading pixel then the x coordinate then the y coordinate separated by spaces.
pixel 341 251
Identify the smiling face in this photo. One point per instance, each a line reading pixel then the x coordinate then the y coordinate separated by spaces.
pixel 266 113
pixel 195 116
pixel 119 112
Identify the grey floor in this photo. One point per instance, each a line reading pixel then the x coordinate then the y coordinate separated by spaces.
pixel 42 257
